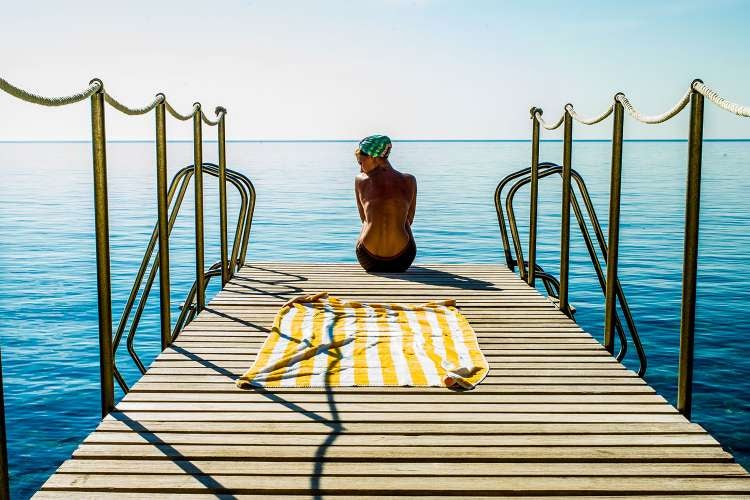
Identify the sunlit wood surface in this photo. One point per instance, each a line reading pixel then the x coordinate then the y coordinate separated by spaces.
pixel 557 415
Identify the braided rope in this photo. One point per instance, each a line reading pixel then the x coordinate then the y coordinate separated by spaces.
pixel 658 118
pixel 133 111
pixel 207 121
pixel 27 96
pixel 715 98
pixel 541 121
pixel 220 112
pixel 179 116
pixel 589 121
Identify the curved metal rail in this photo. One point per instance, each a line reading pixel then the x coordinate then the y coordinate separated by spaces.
pixel 189 308
pixel 546 169
pixel 587 239
pixel 551 284
pixel 177 189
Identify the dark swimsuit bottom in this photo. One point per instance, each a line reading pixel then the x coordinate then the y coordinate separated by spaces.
pixel 396 264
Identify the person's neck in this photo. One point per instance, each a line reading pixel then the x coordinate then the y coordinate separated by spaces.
pixel 382 165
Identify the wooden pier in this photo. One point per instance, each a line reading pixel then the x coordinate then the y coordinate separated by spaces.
pixel 557 415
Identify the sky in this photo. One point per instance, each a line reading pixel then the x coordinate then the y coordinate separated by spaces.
pixel 424 69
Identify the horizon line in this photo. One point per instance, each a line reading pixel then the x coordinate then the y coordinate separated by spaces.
pixel 88 141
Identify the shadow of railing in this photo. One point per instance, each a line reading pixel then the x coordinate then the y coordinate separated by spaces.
pixel 173 454
pixel 243 322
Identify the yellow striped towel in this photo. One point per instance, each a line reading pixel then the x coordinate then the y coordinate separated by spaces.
pixel 320 341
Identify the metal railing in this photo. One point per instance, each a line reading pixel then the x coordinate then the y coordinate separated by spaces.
pixel 108 343
pixel 240 242
pixel 522 178
pixel 613 292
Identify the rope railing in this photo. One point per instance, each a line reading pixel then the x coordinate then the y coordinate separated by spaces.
pixel 697 86
pixel 108 343
pixel 667 115
pixel 220 111
pixel 715 98
pixel 99 98
pixel 694 98
pixel 588 121
pixel 538 117
pixel 208 122
pixel 180 116
pixel 95 86
pixel 159 98
pixel 33 98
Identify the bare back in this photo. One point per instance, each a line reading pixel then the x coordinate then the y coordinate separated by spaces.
pixel 386 199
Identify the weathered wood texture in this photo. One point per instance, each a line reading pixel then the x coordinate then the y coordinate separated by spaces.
pixel 557 416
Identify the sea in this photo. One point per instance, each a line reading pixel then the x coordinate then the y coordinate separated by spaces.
pixel 306 213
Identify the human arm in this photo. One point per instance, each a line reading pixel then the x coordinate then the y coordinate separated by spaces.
pixel 359 202
pixel 413 204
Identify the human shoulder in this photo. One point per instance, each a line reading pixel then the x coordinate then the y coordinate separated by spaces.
pixel 410 179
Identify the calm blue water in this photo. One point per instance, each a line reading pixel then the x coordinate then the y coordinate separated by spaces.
pixel 306 212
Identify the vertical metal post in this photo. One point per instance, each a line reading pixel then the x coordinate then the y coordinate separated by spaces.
pixel 613 240
pixel 690 259
pixel 200 289
pixel 531 275
pixel 565 213
pixel 101 224
pixel 162 204
pixel 225 271
pixel 4 483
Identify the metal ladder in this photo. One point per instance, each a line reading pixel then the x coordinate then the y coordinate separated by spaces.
pixel 136 303
pixel 514 257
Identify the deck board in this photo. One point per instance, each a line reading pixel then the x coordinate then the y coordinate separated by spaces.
pixel 557 415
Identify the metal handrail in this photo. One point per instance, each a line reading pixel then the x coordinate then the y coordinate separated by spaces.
pixel 141 271
pixel 510 261
pixel 548 169
pixel 242 232
pixel 188 310
pixel 551 284
pixel 108 343
pixel 694 97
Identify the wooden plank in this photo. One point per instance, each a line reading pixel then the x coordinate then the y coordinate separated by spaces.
pixel 488 350
pixel 88 495
pixel 492 355
pixel 368 407
pixel 390 398
pixel 422 428
pixel 390 469
pixel 216 342
pixel 496 373
pixel 197 388
pixel 405 453
pixel 445 440
pixel 373 417
pixel 493 485
pixel 231 330
pixel 496 364
pixel 511 377
pixel 239 367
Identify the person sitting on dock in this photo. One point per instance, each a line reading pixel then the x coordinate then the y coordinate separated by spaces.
pixel 386 199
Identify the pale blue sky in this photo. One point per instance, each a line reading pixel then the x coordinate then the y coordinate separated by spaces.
pixel 345 69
